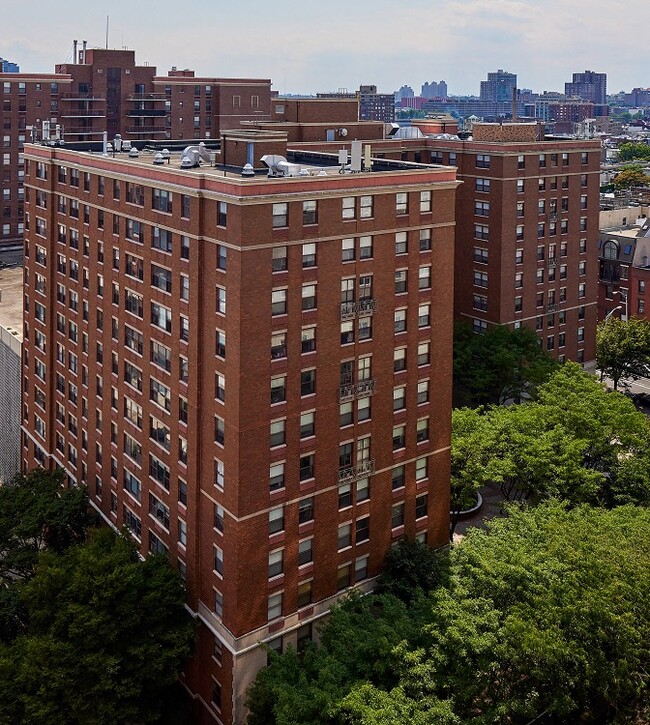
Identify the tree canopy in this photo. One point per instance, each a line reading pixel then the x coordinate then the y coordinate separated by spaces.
pixel 89 632
pixel 546 612
pixel 575 441
pixel 503 364
pixel 632 175
pixel 623 349
pixel 630 150
pixel 36 511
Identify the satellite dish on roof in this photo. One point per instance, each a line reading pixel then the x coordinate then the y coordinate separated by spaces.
pixel 343 132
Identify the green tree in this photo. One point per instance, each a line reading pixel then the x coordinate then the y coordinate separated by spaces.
pixel 36 512
pixel 632 175
pixel 503 364
pixel 107 635
pixel 623 349
pixel 469 454
pixel 545 612
pixel 629 151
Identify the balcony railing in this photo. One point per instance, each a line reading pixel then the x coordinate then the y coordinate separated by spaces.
pixel 146 129
pixel 366 307
pixel 146 112
pixel 348 310
pixel 363 308
pixel 157 97
pixel 361 390
pixel 352 473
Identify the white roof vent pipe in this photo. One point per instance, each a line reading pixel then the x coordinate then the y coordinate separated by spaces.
pixel 133 153
pixel 158 159
pixel 248 170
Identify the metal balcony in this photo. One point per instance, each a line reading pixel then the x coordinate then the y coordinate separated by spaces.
pixel 347 392
pixel 366 307
pixel 352 473
pixel 365 388
pixel 348 310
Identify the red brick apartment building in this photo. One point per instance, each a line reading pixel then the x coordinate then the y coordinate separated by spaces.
pixel 104 90
pixel 526 229
pixel 251 374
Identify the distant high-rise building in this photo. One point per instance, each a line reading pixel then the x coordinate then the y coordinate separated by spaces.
pixel 434 90
pixel 589 86
pixel 404 92
pixel 8 67
pixel 498 86
pixel 374 106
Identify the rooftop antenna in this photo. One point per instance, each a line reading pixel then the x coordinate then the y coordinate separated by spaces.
pixel 107 32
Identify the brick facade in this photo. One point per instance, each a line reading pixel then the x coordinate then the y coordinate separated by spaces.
pixel 252 374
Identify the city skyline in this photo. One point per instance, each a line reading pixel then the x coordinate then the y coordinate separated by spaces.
pixel 306 50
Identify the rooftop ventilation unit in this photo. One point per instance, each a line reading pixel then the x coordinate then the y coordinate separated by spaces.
pixel 279 166
pixel 158 159
pixel 192 156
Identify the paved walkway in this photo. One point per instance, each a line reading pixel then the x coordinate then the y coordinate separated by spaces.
pixel 492 507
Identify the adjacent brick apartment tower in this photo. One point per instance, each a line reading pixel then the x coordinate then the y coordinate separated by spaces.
pixel 251 374
pixel 104 90
pixel 526 234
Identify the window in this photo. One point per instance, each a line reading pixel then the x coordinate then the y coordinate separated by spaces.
pixel 399 398
pixel 397 515
pixel 308 339
pixel 481 231
pixel 401 203
pixel 305 510
pixel 365 207
pixel 222 257
pixel 307 382
pixel 424 277
pixel 220 349
pixel 309 297
pixel 422 431
pixel 421 506
pixel 423 391
pixel 274 609
pixel 401 243
pixel 348 207
pixel 278 345
pixel 279 301
pixel 308 255
pixel 309 212
pixel 305 552
pixel 400 281
pixel 399 437
pixel 276 520
pixel 365 247
pixel 400 320
pixel 160 278
pixel 221 300
pixel 480 279
pixel 278 389
pixel 421 469
pixel 425 240
pixel 276 563
pixel 161 317
pixel 307 424
pixel 219 430
pixel 276 476
pixel 220 387
pixel 306 470
pixel 399 359
pixel 424 315
pixel 161 200
pixel 482 208
pixel 344 536
pixel 482 161
pixel 347 250
pixel 280 215
pixel 425 202
pixel 482 185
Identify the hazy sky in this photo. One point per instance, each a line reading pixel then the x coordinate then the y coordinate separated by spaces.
pixel 306 45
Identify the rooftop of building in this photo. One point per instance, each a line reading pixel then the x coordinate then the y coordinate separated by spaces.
pixel 273 162
pixel 11 301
